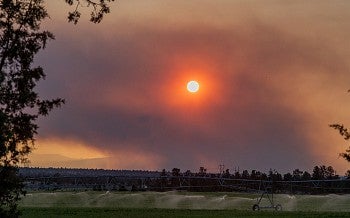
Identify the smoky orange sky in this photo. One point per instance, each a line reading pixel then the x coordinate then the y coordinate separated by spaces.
pixel 273 75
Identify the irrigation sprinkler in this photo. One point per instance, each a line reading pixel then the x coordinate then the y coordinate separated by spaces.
pixel 268 194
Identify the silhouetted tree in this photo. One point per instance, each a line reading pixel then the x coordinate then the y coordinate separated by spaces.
pixel 188 173
pixel 347 174
pixel 202 171
pixel 297 174
pixel 20 105
pixel 163 173
pixel 345 133
pixel 263 176
pixel 274 175
pixel 175 181
pixel 317 173
pixel 254 174
pixel 21 38
pixel 257 175
pixel 323 172
pixel 287 177
pixel 175 172
pixel 245 174
pixel 237 175
pixel 330 173
pixel 164 180
pixel 306 176
pixel 226 174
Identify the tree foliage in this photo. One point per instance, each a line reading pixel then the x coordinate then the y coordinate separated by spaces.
pixel 20 105
pixel 345 133
pixel 21 38
pixel 100 8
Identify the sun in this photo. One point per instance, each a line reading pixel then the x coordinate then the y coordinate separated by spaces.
pixel 193 86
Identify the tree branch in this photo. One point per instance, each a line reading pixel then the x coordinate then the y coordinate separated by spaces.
pixel 100 8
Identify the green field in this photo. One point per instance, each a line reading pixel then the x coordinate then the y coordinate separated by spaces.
pixel 178 204
pixel 166 213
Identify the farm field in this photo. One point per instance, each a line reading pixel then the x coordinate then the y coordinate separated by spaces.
pixel 168 213
pixel 178 204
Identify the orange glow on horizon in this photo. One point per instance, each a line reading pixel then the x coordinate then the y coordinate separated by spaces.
pixel 56 152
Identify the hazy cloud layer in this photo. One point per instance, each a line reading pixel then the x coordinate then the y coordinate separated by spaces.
pixel 263 109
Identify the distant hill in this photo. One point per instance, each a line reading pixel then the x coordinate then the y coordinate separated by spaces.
pixel 30 172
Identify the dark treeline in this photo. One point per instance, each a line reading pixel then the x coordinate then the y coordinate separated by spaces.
pixel 322 180
pixel 319 173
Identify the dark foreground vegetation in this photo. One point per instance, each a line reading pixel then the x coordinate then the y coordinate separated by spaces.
pixel 168 213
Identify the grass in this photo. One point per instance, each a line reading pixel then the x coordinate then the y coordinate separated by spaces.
pixel 178 204
pixel 169 200
pixel 166 213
